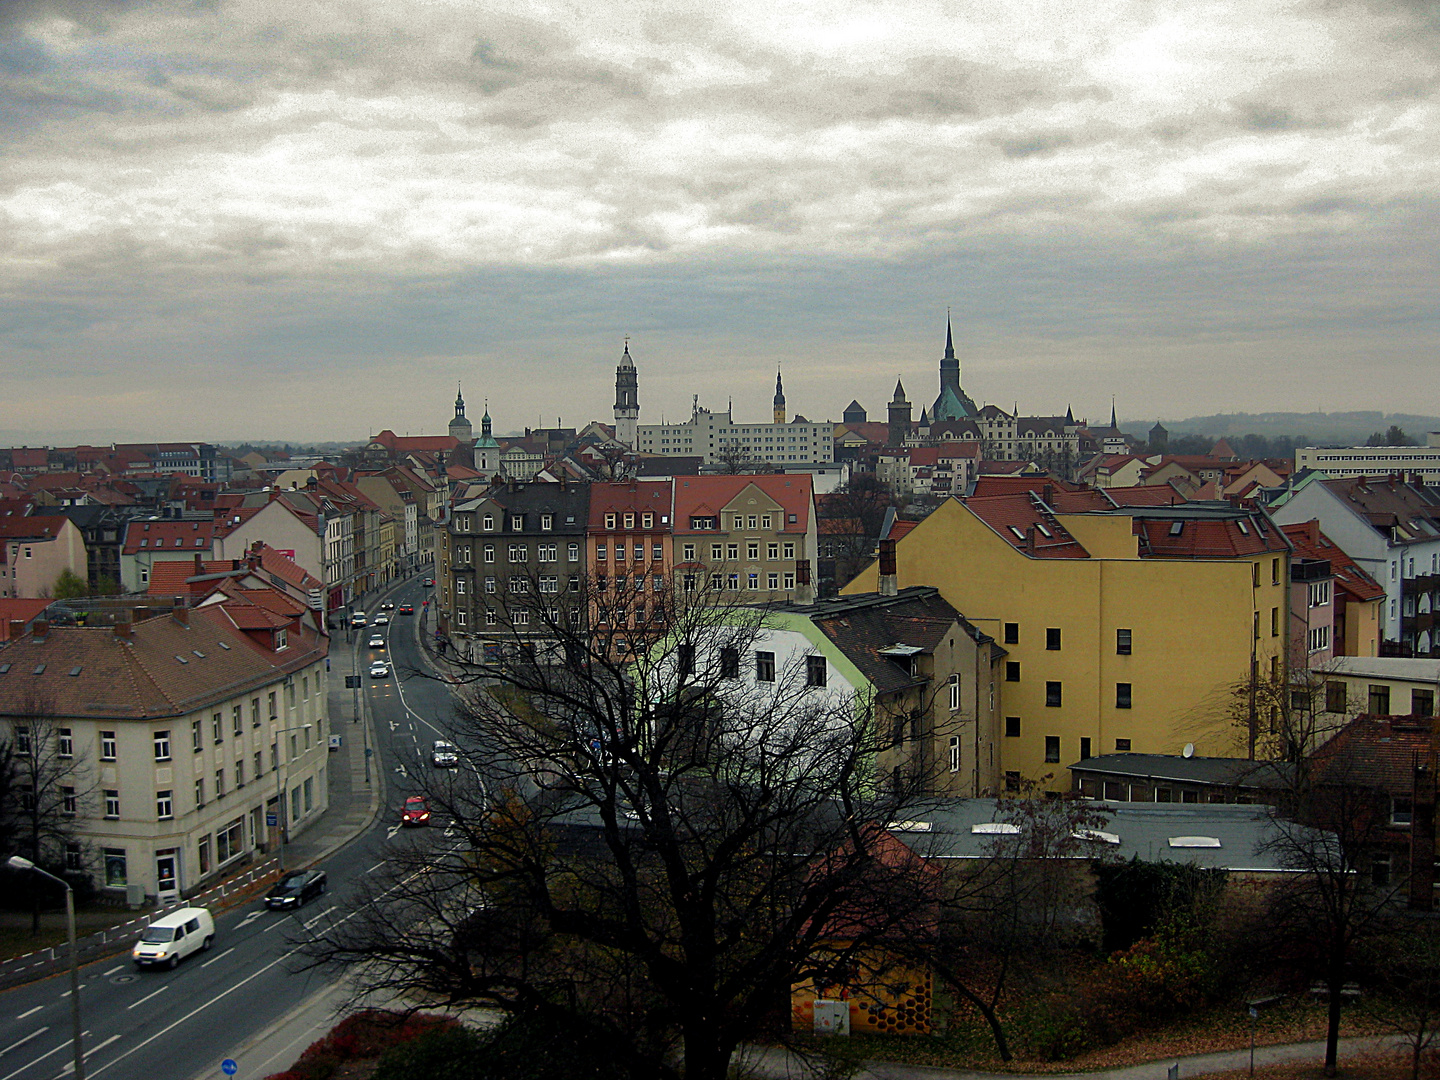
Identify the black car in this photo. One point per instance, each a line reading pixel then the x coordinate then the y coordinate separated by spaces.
pixel 295 888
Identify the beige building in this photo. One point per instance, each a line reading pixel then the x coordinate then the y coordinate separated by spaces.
pixel 189 729
pixel 35 551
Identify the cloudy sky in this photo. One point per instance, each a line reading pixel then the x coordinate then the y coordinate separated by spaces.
pixel 230 218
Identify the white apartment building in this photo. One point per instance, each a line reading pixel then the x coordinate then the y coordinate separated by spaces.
pixel 1346 461
pixel 713 436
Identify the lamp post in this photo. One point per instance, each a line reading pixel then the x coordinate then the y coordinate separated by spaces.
pixel 281 820
pixel 17 862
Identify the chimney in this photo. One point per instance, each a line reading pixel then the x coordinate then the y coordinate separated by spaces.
pixel 1030 539
pixel 804 587
pixel 17 628
pixel 139 614
pixel 122 629
pixel 1422 834
pixel 40 629
pixel 199 565
pixel 889 580
pixel 179 612
pixel 1048 494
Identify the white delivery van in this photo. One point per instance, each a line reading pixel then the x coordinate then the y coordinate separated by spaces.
pixel 171 938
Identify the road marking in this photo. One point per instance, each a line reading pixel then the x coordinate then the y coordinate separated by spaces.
pixel 370 871
pixel 33 1035
pixel 63 1046
pixel 391 831
pixel 308 924
pixel 70 1068
pixel 273 926
pixel 147 997
pixel 112 971
pixel 67 992
pixel 217 959
pixel 252 916
pixel 29 1012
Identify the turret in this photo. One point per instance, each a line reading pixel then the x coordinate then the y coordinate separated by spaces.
pixel 899 411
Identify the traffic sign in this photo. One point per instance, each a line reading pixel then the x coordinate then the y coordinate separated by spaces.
pixel 229 1067
pixel 271 820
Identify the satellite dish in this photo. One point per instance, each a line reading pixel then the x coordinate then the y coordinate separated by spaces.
pixel 1189 750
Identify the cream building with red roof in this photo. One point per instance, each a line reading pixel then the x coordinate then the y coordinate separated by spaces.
pixel 754 535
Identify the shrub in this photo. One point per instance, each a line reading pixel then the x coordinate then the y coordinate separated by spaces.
pixel 365 1034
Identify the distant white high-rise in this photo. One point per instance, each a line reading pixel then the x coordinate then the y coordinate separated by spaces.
pixel 627 402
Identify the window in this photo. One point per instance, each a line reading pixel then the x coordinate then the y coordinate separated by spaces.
pixel 519 585
pixel 815 671
pixel 1274 571
pixel 65 744
pixel 1335 697
pixel 1122 746
pixel 259 764
pixel 69 802
pixel 1052 748
pixel 112 803
pixel 1052 695
pixel 309 794
pixel 114 864
pixel 490 585
pixel 255 712
pixel 1012 727
pixel 490 618
pixel 460 587
pixel 1319 638
pixel 954 753
pixel 1122 642
pixel 522 618
pixel 789 580
pixel 1401 810
pixel 202 846
pixel 488 522
pixel 74 858
pixel 165 804
pixel 488 554
pixel 1380 869
pixel 107 746
pixel 1319 593
pixel 1122 695
pixel 200 792
pixel 1012 633
pixel 162 746
pixel 1422 702
pixel 196 743
pixel 574 552
pixel 752 551
pixel 230 840
pixel 688 552
pixel 1052 638
pixel 729 663
pixel 1274 622
pixel 765 667
pixel 519 553
pixel 732 552
pixel 547 522
pixel 517 522
pixel 752 582
pixel 772 552
pixel 219 783
pixel 647 521
pixel 609 521
pixel 789 549
pixel 1012 781
pixel 1084 747
pixel 549 552
pixel 1012 670
pixel 954 683
pixel 1379 700
pixel 235 723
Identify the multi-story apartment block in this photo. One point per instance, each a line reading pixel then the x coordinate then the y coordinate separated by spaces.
pixel 1340 462
pixel 1128 629
pixel 155 540
pixel 508 559
pixel 187 730
pixel 753 535
pixel 1391 528
pixel 717 437
pixel 35 551
pixel 629 550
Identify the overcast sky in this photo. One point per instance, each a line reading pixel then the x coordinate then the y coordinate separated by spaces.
pixel 308 221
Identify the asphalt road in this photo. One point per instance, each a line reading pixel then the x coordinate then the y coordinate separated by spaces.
pixel 174 1025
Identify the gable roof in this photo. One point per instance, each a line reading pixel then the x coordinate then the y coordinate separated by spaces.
pixel 1310 542
pixel 707 495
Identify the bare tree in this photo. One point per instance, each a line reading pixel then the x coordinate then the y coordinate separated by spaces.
pixel 50 789
pixel 1410 971
pixel 664 838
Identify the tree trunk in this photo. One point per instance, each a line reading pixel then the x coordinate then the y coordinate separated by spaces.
pixel 1336 983
pixel 705 1056
pixel 997 1031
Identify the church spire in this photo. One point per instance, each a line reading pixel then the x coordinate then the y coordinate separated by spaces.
pixel 459 401
pixel 1113 425
pixel 779 397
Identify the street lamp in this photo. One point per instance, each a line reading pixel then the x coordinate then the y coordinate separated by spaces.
pixel 282 821
pixel 18 862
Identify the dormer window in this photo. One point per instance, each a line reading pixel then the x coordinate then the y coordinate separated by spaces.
pixel 282 639
pixel 609 521
pixel 547 521
pixel 647 521
pixel 517 522
pixel 629 521
pixel 488 522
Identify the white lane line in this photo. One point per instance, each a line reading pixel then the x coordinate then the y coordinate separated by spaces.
pixel 112 971
pixel 370 871
pixel 63 1046
pixel 70 1066
pixel 217 959
pixel 308 924
pixel 67 992
pixel 147 997
pixel 273 926
pixel 27 1012
pixel 33 1035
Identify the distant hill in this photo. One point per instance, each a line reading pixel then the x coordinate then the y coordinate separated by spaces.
pixel 1318 429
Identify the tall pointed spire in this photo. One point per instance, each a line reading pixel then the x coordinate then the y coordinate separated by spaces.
pixel 1113 425
pixel 779 397
pixel 949 338
pixel 459 401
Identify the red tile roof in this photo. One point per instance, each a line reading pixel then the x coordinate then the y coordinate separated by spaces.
pixel 18 610
pixel 1146 495
pixel 637 496
pixel 1208 538
pixel 34 527
pixel 1010 485
pixel 191 536
pixel 1021 520
pixel 1310 542
pixel 708 495
pixel 171 577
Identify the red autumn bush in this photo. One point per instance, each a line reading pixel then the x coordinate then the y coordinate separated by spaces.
pixel 365 1034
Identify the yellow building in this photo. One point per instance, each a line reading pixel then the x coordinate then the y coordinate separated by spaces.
pixel 1128 629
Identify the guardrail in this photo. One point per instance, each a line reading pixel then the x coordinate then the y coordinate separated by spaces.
pixel 222 895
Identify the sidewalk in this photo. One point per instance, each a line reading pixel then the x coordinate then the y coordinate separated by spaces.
pixel 775 1064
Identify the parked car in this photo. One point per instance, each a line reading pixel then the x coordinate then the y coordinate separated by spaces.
pixel 377 641
pixel 381 620
pixel 293 890
pixel 416 812
pixel 407 609
pixel 379 670
pixel 171 938
pixel 444 755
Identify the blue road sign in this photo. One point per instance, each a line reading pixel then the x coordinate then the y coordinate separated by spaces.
pixel 271 821
pixel 229 1067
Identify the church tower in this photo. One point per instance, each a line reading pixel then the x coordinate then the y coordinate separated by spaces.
pixel 462 433
pixel 487 450
pixel 899 415
pixel 627 401
pixel 953 403
pixel 779 399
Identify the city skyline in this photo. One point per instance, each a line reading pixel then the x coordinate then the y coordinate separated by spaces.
pixel 1225 208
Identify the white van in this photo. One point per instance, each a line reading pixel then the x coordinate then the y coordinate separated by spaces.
pixel 171 938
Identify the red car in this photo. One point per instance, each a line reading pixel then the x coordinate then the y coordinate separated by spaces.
pixel 407 609
pixel 416 812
